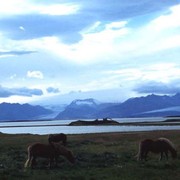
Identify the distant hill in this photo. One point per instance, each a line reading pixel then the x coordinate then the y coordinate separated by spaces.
pixel 148 106
pixel 79 109
pixel 17 111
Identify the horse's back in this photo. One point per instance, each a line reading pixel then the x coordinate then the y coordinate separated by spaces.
pixel 165 143
pixel 146 142
pixel 42 150
pixel 38 146
pixel 158 145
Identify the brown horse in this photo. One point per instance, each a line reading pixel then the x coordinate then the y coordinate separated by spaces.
pixel 161 145
pixel 50 151
pixel 57 138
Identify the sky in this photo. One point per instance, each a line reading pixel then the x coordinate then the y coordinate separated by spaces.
pixel 113 50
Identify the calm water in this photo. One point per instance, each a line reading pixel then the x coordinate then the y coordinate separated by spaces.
pixel 57 126
pixel 66 122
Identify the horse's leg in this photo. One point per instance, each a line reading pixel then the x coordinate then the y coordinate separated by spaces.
pixel 33 162
pixel 145 155
pixel 166 153
pixel 161 156
pixel 50 162
pixel 56 161
pixel 141 155
pixel 64 142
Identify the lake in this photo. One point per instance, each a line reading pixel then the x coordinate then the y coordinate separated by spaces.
pixel 60 126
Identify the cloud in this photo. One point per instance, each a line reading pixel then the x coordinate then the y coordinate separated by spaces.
pixel 58 9
pixel 35 74
pixel 107 10
pixel 159 78
pixel 67 28
pixel 101 41
pixel 67 19
pixel 17 7
pixel 158 87
pixel 7 92
pixel 15 53
pixel 162 32
pixel 167 21
pixel 22 28
pixel 52 90
pixel 86 38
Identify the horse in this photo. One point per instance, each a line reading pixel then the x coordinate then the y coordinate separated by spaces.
pixel 161 145
pixel 50 151
pixel 57 138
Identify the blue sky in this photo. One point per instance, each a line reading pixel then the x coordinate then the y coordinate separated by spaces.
pixel 117 49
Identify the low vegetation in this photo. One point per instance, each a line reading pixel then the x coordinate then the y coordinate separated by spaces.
pixel 98 156
pixel 105 121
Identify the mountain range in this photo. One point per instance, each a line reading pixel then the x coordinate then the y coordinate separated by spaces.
pixel 146 106
pixel 18 111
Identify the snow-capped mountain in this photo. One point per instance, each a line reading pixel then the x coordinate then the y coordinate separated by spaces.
pixel 79 109
pixel 148 106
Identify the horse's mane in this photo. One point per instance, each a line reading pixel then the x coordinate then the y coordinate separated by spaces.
pixel 168 142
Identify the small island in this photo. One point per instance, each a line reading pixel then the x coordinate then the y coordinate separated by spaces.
pixel 105 121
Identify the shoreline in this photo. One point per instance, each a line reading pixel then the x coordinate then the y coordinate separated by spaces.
pixel 157 123
pixel 88 128
pixel 103 133
pixel 96 133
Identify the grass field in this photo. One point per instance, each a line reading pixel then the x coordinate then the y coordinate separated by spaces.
pixel 98 156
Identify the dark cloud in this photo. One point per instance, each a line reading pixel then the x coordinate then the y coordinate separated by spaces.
pixel 52 90
pixel 68 27
pixel 16 52
pixel 4 93
pixel 158 87
pixel 37 26
pixel 108 10
pixel 7 92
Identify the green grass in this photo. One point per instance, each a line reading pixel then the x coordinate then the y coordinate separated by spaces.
pixel 99 156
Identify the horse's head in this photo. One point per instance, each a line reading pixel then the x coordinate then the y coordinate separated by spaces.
pixel 61 150
pixel 174 154
pixel 70 157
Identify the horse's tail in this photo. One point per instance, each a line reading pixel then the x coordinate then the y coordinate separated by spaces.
pixel 139 154
pixel 28 161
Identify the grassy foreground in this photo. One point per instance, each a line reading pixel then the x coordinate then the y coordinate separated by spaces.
pixel 99 156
